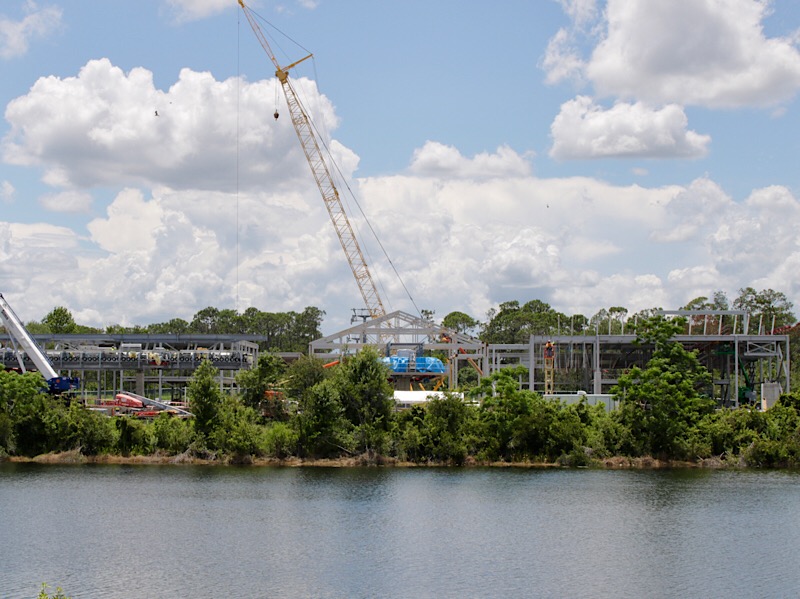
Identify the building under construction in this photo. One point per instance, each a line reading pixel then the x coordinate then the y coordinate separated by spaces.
pixel 749 364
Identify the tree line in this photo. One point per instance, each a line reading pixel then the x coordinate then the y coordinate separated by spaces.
pixel 284 331
pixel 305 410
pixel 511 322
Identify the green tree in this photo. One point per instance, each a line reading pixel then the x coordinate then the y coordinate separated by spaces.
pixel 367 399
pixel 302 374
pixel 176 326
pixel 92 432
pixel 205 321
pixel 173 435
pixel 39 423
pixel 320 421
pixel 661 403
pixel 768 309
pixel 515 324
pixel 460 323
pixel 305 329
pixel 448 425
pixel 59 321
pixel 255 383
pixel 135 436
pixel 205 398
pixel 236 433
pixel 16 391
pixel 517 424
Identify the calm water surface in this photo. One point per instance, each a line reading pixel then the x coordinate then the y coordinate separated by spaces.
pixel 186 531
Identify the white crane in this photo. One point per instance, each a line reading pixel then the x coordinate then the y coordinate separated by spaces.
pixel 20 336
pixel 322 175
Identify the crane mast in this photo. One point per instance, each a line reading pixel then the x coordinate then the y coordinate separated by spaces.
pixel 322 176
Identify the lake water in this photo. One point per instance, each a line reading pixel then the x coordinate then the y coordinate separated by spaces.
pixel 188 531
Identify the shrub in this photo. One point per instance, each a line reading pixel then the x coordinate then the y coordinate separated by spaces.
pixel 280 440
pixel 173 435
pixel 135 436
pixel 94 433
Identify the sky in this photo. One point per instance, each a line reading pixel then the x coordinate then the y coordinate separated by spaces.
pixel 586 153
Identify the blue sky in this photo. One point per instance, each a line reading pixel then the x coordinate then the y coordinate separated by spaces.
pixel 634 153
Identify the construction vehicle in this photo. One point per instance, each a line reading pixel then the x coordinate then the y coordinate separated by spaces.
pixel 22 340
pixel 322 174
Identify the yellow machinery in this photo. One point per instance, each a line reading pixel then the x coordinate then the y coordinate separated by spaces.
pixel 322 175
pixel 549 367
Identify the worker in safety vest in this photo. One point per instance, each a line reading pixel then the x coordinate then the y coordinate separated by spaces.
pixel 549 351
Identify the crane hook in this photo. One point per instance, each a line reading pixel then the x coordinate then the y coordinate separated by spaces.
pixel 276 115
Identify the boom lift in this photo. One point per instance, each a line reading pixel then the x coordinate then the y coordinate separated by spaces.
pixel 20 336
pixel 319 168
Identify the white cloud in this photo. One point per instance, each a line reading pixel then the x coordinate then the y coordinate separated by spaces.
pixel 190 10
pixel 435 159
pixel 6 192
pixel 15 36
pixel 131 224
pixel 758 237
pixel 36 257
pixel 67 201
pixel 689 213
pixel 108 127
pixel 465 232
pixel 562 60
pixel 699 52
pixel 585 130
pixel 581 12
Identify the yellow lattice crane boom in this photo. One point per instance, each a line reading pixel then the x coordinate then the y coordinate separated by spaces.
pixel 322 175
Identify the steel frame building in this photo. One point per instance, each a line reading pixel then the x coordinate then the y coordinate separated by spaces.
pixel 747 365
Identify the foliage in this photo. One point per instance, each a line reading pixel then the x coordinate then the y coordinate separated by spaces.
pixel 92 432
pixel 173 435
pixel 460 322
pixel 59 594
pixel 60 321
pixel 366 398
pixel 255 383
pixel 515 324
pixel 236 432
pixel 302 375
pixel 662 402
pixel 135 436
pixel 39 421
pixel 440 431
pixel 515 424
pixel 280 440
pixel 320 421
pixel 767 307
pixel 348 410
pixel 205 398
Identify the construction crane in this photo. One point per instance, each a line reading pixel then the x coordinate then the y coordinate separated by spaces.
pixel 21 337
pixel 322 175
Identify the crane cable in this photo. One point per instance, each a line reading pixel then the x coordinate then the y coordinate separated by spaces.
pixel 238 110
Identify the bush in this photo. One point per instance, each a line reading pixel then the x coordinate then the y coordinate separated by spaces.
pixel 135 436
pixel 39 425
pixel 94 433
pixel 173 435
pixel 236 432
pixel 280 440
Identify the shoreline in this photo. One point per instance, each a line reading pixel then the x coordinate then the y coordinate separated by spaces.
pixel 612 463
